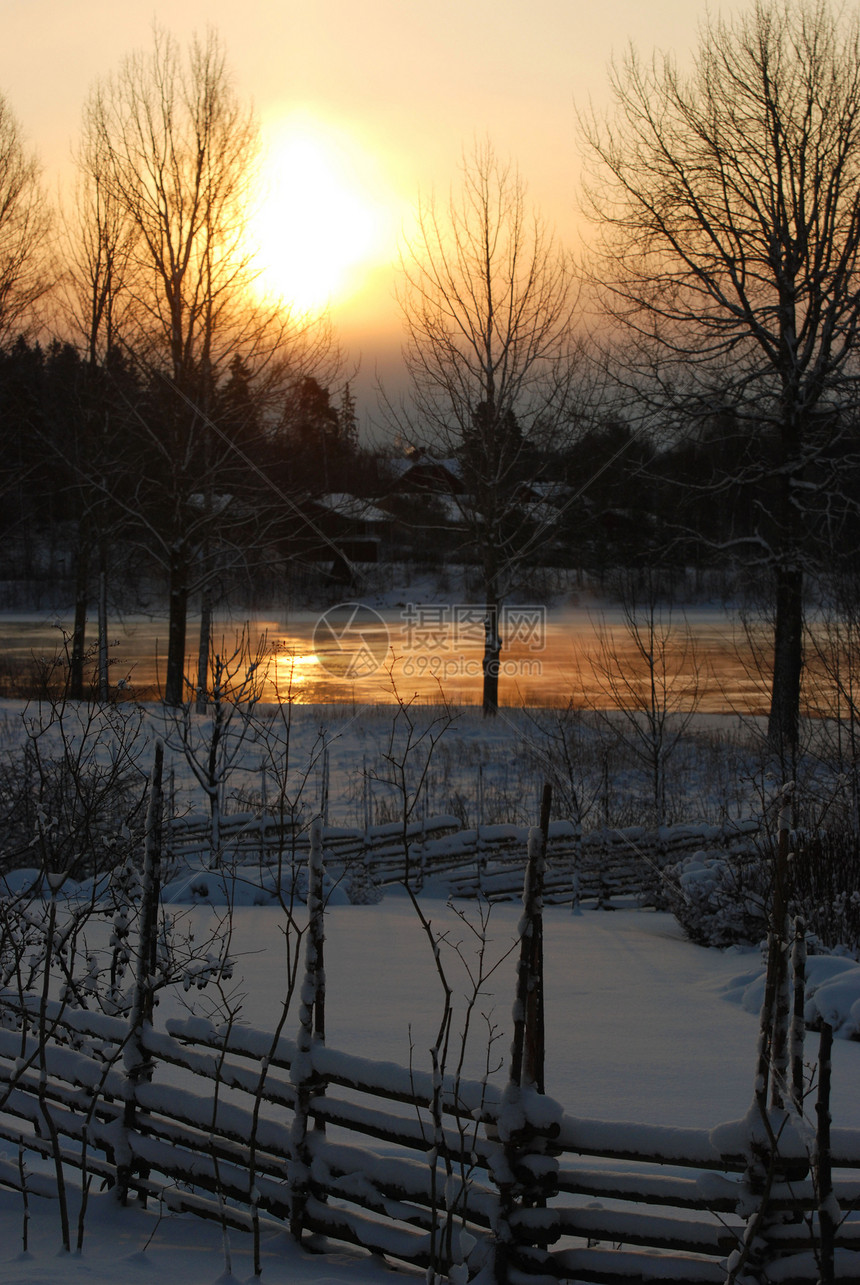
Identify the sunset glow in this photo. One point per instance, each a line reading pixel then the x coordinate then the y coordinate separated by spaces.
pixel 320 230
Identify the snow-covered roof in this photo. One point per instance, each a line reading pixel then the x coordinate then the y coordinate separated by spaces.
pixel 554 492
pixel 427 470
pixel 541 513
pixel 350 506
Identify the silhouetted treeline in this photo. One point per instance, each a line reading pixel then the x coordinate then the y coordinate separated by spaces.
pixel 101 479
pixel 98 457
pixel 700 501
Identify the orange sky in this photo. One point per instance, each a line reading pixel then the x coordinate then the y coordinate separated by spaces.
pixel 398 86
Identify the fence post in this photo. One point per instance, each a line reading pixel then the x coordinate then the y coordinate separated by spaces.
pixel 311 1032
pixel 324 785
pixel 169 817
pixel 138 1066
pixel 797 1036
pixel 517 1137
pixel 823 1164
pixel 772 1081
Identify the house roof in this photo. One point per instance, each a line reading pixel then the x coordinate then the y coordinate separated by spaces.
pixel 351 507
pixel 426 470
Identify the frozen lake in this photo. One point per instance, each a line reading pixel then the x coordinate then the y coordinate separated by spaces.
pixel 369 656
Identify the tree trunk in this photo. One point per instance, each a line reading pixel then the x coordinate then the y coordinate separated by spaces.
pixel 137 1063
pixel 104 659
pixel 490 663
pixel 783 728
pixel 203 652
pixel 79 629
pixel 174 685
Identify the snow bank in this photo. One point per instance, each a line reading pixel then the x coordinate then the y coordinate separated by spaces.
pixel 832 994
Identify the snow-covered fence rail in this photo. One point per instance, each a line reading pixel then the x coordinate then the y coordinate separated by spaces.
pixel 461 1177
pixel 604 863
pixel 272 838
pixel 487 860
pixel 653 1203
pixel 596 1201
pixel 371 1178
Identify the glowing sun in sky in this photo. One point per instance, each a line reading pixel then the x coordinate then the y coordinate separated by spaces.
pixel 320 227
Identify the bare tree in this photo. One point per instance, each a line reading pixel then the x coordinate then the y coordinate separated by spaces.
pixel 24 226
pixel 487 302
pixel 99 240
pixel 653 678
pixel 729 209
pixel 175 154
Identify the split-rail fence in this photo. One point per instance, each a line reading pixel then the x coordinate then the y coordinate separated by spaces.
pixel 467 1178
pixel 485 860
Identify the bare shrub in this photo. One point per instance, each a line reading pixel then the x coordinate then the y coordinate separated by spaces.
pixel 71 793
pixel 826 887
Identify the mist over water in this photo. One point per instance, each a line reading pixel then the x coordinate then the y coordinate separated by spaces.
pixel 588 657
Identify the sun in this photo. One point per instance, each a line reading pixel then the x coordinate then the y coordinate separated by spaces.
pixel 319 228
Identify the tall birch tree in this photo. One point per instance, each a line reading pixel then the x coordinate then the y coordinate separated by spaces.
pixel 487 302
pixel 24 226
pixel 177 153
pixel 727 203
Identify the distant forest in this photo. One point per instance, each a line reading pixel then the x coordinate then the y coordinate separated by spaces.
pixel 89 488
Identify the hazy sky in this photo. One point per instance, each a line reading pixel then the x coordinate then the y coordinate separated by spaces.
pixel 396 87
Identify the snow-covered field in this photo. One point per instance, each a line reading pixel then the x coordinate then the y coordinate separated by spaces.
pixel 641 1025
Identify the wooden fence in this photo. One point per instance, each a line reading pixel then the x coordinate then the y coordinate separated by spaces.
pixel 666 1206
pixel 250 1128
pixel 488 860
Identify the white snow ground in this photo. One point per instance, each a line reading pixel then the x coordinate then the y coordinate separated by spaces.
pixel 640 1027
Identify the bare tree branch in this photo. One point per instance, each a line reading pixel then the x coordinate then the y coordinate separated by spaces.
pixel 728 204
pixel 487 301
